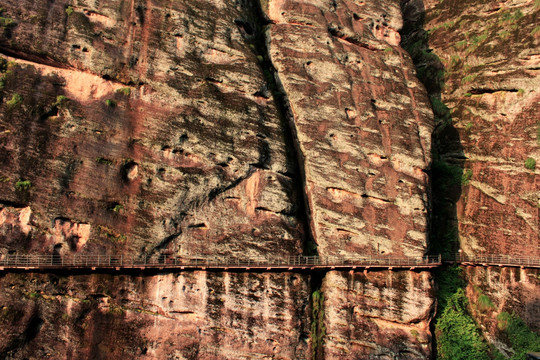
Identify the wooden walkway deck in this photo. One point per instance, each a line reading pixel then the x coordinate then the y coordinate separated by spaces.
pixel 44 263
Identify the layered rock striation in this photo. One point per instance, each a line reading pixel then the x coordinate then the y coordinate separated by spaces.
pixel 276 128
pixel 361 120
pixel 482 61
pixel 145 124
pixel 196 315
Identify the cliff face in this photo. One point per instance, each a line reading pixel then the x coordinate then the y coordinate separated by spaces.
pixel 269 130
pixel 480 61
pixel 164 135
pixel 196 315
pixel 384 315
pixel 357 107
pixel 257 129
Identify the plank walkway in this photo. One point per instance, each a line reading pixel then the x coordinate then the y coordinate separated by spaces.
pixel 39 262
pixel 169 263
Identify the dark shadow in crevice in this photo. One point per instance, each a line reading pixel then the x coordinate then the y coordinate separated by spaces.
pixel 446 175
pixel 255 29
pixel 446 171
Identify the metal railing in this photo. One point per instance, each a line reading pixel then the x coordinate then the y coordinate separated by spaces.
pixel 53 261
pixel 121 261
pixel 492 259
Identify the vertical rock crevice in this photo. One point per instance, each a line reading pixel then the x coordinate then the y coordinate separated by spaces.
pixel 447 164
pixel 318 327
pixel 255 32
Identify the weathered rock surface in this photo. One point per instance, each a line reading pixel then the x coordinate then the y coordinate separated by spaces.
pixel 362 123
pixel 140 127
pixel 162 139
pixel 511 290
pixel 378 315
pixel 480 62
pixel 170 316
pixel 489 57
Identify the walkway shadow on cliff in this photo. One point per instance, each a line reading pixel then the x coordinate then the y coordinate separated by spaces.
pixel 446 171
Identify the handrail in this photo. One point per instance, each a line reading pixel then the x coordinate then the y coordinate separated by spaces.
pixel 123 261
pixel 492 259
pixel 47 261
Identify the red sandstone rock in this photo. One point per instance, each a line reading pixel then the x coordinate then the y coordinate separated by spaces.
pixel 362 121
pixel 159 134
pixel 168 140
pixel 188 316
pixel 491 88
pixel 384 315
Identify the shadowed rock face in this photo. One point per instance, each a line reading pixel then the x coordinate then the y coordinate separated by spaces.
pixel 489 51
pixel 210 128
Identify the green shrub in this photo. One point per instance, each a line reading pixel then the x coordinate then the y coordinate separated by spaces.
pixel 125 90
pixel 530 163
pixel 469 78
pixel 502 320
pixel 466 177
pixel 117 208
pixel 461 44
pixel 16 99
pixel 69 10
pixel 5 22
pixel 102 160
pixel 484 303
pixel 520 337
pixel 60 100
pixel 110 102
pixel 22 185
pixel 458 335
pixel 34 295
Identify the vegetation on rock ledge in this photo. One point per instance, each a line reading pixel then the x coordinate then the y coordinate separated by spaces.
pixel 458 336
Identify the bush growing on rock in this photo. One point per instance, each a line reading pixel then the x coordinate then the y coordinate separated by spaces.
pixel 530 163
pixel 16 99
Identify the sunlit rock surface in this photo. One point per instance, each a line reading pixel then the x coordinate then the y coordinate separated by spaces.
pixel 362 123
pixel 212 128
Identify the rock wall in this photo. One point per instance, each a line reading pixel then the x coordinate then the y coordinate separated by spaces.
pixel 479 61
pixel 145 127
pixel 145 123
pixel 362 123
pixel 196 315
pixel 486 58
pixel 496 292
pixel 378 315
